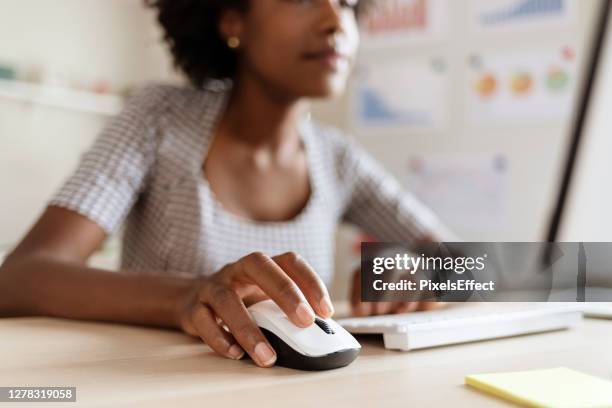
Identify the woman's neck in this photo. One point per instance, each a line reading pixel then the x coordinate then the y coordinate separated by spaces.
pixel 261 118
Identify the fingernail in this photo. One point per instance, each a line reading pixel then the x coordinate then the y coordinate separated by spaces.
pixel 305 314
pixel 235 352
pixel 327 307
pixel 265 355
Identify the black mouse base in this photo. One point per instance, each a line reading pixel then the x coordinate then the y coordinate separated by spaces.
pixel 288 357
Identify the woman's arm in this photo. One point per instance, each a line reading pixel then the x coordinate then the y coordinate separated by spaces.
pixel 47 275
pixel 378 204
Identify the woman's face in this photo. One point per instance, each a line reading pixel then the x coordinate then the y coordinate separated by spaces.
pixel 303 48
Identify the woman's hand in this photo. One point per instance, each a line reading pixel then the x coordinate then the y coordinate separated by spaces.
pixel 220 301
pixel 359 308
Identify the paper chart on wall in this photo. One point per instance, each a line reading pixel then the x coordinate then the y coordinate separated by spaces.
pixel 509 15
pixel 464 190
pixel 407 93
pixel 525 86
pixel 392 22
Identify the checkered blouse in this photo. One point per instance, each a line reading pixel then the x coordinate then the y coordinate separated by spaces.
pixel 146 169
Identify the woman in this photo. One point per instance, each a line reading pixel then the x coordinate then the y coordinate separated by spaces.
pixel 229 192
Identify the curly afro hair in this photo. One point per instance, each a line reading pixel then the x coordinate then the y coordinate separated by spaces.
pixel 191 31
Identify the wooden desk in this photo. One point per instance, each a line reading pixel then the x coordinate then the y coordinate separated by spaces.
pixel 113 365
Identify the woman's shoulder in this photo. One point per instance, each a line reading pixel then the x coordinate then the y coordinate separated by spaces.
pixel 331 138
pixel 341 145
pixel 351 161
pixel 156 99
pixel 340 153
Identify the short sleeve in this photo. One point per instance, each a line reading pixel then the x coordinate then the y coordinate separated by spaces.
pixel 113 171
pixel 378 204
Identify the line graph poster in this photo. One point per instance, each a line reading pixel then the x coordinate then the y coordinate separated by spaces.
pixel 392 22
pixel 523 86
pixel 507 15
pixel 400 92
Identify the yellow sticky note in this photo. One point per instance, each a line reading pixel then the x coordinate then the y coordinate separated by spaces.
pixel 554 387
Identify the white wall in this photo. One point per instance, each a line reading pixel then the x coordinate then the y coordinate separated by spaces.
pixel 115 40
pixel 84 40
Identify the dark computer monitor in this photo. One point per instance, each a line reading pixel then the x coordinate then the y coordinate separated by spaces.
pixel 583 210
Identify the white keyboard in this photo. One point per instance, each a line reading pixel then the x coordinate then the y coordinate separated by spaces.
pixel 465 322
pixel 598 310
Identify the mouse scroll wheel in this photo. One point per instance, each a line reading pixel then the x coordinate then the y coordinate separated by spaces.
pixel 323 325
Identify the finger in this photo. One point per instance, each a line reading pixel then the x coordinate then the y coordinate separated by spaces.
pixel 187 324
pixel 206 326
pixel 254 298
pixel 361 309
pixel 264 272
pixel 356 310
pixel 425 306
pixel 380 308
pixel 365 309
pixel 308 281
pixel 229 307
pixel 406 307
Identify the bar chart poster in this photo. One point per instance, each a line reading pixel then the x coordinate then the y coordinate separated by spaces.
pixel 402 93
pixel 522 87
pixel 509 15
pixel 393 22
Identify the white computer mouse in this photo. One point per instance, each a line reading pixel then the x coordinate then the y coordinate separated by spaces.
pixel 323 345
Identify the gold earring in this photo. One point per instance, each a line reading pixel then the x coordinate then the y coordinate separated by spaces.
pixel 233 42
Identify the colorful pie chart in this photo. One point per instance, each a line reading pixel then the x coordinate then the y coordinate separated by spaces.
pixel 486 85
pixel 521 83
